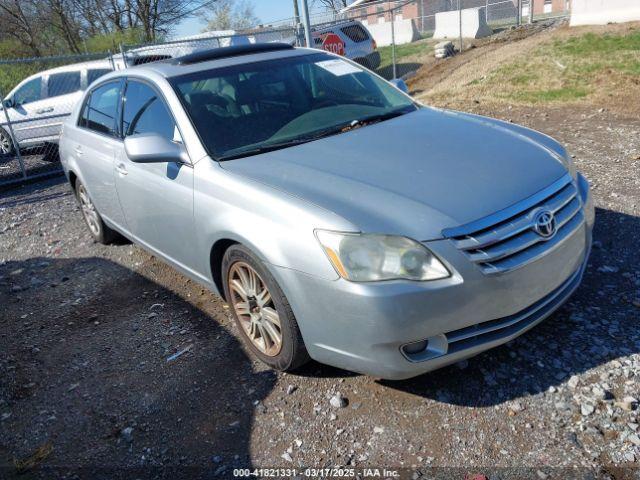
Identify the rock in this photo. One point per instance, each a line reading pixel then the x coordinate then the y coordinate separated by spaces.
pixel 378 429
pixel 287 457
pixel 608 269
pixel 628 403
pixel 338 401
pixel 573 381
pixel 586 409
pixel 541 475
pixel 5 416
pixel 634 438
pixel 216 459
pixel 291 389
pixel 127 434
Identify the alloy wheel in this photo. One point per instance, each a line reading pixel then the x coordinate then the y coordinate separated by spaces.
pixel 5 145
pixel 255 309
pixel 89 210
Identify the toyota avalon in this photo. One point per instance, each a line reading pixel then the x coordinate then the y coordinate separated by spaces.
pixel 339 219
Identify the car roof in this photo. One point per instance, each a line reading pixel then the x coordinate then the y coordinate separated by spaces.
pixel 173 68
pixel 77 66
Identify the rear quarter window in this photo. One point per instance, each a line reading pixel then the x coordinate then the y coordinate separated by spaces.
pixel 63 83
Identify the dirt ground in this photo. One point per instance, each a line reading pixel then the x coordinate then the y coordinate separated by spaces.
pixel 90 386
pixel 459 81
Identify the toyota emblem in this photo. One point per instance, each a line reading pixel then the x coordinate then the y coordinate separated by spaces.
pixel 545 224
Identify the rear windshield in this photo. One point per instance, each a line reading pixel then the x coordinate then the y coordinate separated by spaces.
pixel 249 108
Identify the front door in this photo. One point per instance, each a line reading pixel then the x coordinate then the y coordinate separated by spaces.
pixel 156 198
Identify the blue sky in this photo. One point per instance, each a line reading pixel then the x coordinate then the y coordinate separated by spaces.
pixel 266 10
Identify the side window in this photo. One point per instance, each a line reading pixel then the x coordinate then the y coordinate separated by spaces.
pixel 29 92
pixel 63 83
pixel 145 112
pixel 93 75
pixel 100 111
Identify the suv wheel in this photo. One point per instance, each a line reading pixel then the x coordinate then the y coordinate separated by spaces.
pixel 261 311
pixel 6 145
pixel 99 231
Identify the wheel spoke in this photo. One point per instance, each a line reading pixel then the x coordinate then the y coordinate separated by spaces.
pixel 268 342
pixel 244 279
pixel 264 297
pixel 236 286
pixel 271 316
pixel 272 332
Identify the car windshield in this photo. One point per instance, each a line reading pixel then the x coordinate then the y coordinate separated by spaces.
pixel 252 108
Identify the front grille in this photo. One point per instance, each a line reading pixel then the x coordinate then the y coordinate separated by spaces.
pixel 508 240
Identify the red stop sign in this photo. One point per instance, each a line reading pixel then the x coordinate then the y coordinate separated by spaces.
pixel 332 43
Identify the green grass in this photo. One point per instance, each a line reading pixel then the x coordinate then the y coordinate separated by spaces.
pixel 415 49
pixel 569 70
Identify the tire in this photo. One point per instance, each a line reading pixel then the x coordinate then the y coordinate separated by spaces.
pixel 255 317
pixel 6 145
pixel 100 232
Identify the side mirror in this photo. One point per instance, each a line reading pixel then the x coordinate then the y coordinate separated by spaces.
pixel 154 148
pixel 8 103
pixel 399 84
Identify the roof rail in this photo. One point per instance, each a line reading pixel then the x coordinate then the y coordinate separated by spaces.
pixel 227 52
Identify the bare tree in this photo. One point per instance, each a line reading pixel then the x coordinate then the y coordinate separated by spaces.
pixel 333 5
pixel 16 23
pixel 230 15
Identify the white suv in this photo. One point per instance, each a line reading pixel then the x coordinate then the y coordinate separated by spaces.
pixel 39 104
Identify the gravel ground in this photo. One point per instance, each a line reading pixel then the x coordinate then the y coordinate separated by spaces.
pixel 110 360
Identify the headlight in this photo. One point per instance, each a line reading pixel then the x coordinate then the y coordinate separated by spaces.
pixel 369 257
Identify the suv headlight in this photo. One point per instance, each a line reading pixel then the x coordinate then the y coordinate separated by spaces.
pixel 371 257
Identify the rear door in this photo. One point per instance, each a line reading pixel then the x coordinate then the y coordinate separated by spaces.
pixel 156 198
pixel 94 143
pixel 63 91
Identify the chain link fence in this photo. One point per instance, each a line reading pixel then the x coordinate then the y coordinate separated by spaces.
pixel 390 37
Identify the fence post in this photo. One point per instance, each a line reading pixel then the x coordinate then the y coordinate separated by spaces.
pixel 519 13
pixel 460 22
pixel 486 11
pixel 16 147
pixel 393 43
pixel 124 59
pixel 531 11
pixel 307 24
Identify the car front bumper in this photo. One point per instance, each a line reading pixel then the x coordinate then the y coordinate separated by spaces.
pixel 372 328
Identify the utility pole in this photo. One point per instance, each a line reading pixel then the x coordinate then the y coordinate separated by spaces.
pixel 530 11
pixel 307 24
pixel 296 12
pixel 519 13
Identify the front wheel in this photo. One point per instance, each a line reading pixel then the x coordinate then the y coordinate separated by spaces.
pixel 6 145
pixel 261 311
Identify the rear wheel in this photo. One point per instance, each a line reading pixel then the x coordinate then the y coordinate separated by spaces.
pixel 100 232
pixel 261 311
pixel 6 145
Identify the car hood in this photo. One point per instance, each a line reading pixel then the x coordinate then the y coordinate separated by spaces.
pixel 414 175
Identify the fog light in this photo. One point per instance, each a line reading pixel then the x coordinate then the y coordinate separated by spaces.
pixel 417 347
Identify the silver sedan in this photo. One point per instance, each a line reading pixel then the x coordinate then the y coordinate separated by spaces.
pixel 339 219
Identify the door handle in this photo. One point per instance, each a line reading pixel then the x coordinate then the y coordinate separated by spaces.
pixel 44 110
pixel 120 168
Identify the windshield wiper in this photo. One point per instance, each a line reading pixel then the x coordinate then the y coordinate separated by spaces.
pixel 264 149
